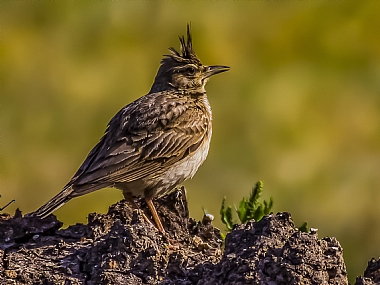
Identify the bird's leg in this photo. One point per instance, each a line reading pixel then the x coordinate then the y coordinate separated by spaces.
pixel 128 197
pixel 156 218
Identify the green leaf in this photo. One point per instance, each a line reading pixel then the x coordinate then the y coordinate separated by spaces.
pixel 226 215
pixel 304 228
pixel 242 211
pixel 268 206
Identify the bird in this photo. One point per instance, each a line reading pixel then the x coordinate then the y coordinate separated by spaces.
pixel 155 142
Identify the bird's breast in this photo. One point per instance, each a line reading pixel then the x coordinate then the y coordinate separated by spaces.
pixel 184 169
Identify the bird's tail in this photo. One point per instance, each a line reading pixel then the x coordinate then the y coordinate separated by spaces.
pixel 56 202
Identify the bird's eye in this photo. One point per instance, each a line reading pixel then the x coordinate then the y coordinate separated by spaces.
pixel 191 70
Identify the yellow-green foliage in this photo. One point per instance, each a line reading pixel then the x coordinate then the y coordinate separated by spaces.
pixel 249 208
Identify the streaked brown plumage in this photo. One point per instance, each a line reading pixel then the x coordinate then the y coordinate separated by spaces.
pixel 154 143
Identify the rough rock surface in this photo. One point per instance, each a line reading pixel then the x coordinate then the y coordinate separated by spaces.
pixel 371 274
pixel 121 248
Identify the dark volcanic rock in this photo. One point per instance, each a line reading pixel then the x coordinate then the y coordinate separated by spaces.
pixel 273 251
pixel 116 248
pixel 371 274
pixel 121 248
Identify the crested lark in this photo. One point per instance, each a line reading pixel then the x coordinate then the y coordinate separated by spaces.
pixel 154 143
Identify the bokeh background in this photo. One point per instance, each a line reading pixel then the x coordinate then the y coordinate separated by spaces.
pixel 299 109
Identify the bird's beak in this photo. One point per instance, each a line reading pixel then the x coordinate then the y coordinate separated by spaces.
pixel 215 69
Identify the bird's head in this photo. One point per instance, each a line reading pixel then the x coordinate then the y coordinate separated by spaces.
pixel 184 71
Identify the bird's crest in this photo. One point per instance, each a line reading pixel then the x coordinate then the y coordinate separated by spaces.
pixel 187 54
pixel 173 62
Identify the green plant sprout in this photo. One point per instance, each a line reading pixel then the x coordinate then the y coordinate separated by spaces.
pixel 304 228
pixel 249 208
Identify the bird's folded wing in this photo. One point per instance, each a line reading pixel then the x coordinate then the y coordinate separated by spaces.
pixel 135 155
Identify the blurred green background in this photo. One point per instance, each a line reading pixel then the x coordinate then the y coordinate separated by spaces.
pixel 299 109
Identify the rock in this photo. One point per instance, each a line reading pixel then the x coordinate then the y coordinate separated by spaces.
pixel 371 274
pixel 120 247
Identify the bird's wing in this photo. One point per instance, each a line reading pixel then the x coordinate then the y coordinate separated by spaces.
pixel 145 137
